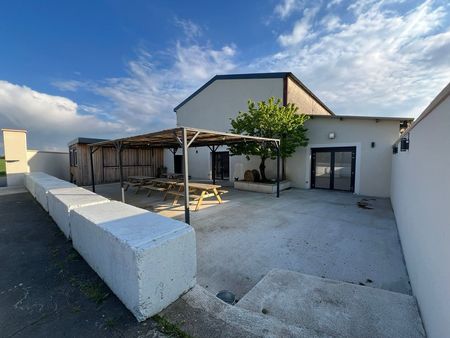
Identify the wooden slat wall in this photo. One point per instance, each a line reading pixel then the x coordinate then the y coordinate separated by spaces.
pixel 135 162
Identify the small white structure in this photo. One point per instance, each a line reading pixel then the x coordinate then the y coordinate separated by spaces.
pixel 21 160
pixel 147 260
pixel 62 200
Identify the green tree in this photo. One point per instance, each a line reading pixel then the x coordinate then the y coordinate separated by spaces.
pixel 273 120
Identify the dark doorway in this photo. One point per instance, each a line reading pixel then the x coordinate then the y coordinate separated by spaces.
pixel 333 168
pixel 178 164
pixel 222 164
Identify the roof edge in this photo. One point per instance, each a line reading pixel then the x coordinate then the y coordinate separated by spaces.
pixel 365 117
pixel 276 75
pixel 306 89
pixel 85 140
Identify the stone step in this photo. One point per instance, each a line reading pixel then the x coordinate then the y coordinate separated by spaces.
pixel 332 307
pixel 291 304
pixel 200 314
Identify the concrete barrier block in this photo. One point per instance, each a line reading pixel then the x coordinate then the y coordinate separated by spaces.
pixel 30 181
pixel 44 184
pixel 146 259
pixel 62 200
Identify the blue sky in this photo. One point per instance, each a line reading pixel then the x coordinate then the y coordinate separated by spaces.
pixel 109 68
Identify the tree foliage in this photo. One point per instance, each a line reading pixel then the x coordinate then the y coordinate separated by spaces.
pixel 273 120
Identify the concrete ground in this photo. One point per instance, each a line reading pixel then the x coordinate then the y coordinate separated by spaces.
pixel 317 232
pixel 334 308
pixel 47 289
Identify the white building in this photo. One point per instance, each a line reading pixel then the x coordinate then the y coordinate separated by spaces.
pixel 351 153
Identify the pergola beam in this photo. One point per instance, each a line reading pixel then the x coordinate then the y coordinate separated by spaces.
pixel 183 137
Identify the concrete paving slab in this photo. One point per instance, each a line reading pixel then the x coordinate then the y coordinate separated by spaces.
pixel 62 200
pixel 318 232
pixel 335 308
pixel 146 259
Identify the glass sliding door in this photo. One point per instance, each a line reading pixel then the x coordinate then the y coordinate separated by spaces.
pixel 323 170
pixel 343 170
pixel 333 168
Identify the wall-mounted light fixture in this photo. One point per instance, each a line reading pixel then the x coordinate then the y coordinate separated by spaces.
pixel 331 135
pixel 372 144
pixel 404 143
pixel 395 149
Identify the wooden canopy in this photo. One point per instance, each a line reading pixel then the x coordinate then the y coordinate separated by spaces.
pixel 172 138
pixel 181 137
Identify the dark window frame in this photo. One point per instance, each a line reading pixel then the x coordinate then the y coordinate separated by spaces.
pixel 333 150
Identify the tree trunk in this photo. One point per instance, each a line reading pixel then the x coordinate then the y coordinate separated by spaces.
pixel 283 169
pixel 262 169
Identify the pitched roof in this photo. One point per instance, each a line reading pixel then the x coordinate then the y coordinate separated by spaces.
pixel 279 75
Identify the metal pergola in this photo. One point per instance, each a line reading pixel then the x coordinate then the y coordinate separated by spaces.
pixel 181 137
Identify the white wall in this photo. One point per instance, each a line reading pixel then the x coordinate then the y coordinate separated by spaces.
pixel 212 109
pixel 373 165
pixel 50 162
pixel 420 196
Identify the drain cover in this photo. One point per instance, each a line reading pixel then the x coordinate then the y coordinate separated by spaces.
pixel 227 296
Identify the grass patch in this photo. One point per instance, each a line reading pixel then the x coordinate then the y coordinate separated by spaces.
pixel 2 166
pixel 94 290
pixel 168 328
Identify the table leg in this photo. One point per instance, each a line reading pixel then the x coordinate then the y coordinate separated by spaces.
pixel 216 193
pixel 200 200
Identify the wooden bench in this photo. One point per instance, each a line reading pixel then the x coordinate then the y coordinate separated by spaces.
pixel 151 188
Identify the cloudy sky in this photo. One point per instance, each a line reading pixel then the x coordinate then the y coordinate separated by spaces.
pixel 109 68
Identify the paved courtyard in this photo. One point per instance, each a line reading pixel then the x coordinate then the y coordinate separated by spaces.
pixel 317 232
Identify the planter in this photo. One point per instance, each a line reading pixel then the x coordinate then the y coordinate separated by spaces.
pixel 267 188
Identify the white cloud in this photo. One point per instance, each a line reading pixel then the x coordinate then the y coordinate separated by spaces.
pixel 333 3
pixel 301 31
pixel 191 30
pixel 145 98
pixel 288 7
pixel 70 85
pixel 382 63
pixel 51 120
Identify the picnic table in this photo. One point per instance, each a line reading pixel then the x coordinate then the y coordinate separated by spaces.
pixel 197 191
pixel 160 184
pixel 137 181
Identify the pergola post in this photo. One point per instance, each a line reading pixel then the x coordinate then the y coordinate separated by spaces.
pixel 278 168
pixel 186 176
pixel 91 157
pixel 119 154
pixel 213 162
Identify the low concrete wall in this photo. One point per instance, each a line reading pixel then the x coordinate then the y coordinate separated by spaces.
pixel 51 162
pixel 44 184
pixel 62 201
pixel 420 195
pixel 146 259
pixel 266 188
pixel 30 181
